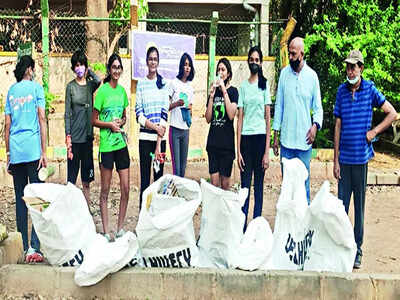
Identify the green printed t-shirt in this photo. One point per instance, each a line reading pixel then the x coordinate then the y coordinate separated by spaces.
pixel 110 103
pixel 253 100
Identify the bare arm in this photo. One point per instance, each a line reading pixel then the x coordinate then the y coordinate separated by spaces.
pixel 175 104
pixel 239 138
pixel 43 137
pixel 267 117
pixel 391 115
pixel 7 126
pixel 268 127
pixel 210 104
pixel 230 107
pixel 336 166
pixel 101 124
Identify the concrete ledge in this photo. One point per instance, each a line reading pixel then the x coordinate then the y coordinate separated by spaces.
pixel 11 249
pixel 207 284
pixel 320 170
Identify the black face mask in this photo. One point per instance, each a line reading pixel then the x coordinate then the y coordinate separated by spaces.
pixel 294 64
pixel 254 68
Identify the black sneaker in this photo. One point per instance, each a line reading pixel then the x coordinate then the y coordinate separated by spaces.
pixel 357 261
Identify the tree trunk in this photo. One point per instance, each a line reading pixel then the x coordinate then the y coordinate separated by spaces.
pixel 97 31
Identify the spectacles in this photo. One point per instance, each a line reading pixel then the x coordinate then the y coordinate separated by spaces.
pixel 116 68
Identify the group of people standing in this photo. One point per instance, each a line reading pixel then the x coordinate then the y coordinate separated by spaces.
pixel 91 102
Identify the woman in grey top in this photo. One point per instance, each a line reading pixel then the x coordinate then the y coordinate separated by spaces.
pixel 78 126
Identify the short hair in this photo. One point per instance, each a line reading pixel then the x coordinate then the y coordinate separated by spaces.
pixel 185 57
pixel 24 63
pixel 78 57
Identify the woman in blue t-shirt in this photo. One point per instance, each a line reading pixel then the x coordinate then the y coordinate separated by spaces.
pixel 25 138
pixel 253 130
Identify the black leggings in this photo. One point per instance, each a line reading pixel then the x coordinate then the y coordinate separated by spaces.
pixel 145 148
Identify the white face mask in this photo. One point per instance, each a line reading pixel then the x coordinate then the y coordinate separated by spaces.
pixel 352 81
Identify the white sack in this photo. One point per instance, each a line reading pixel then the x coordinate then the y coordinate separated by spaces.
pixel 65 228
pixel 221 228
pixel 291 237
pixel 255 246
pixel 333 246
pixel 103 258
pixel 165 229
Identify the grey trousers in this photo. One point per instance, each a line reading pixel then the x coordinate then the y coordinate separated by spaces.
pixel 354 180
pixel 179 145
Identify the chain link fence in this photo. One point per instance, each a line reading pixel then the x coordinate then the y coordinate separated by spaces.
pixel 68 30
pixel 231 37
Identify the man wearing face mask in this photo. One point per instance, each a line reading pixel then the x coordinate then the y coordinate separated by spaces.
pixel 298 96
pixel 78 124
pixel 355 100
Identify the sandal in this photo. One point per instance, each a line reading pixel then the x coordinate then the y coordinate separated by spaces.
pixel 120 233
pixel 108 237
pixel 33 256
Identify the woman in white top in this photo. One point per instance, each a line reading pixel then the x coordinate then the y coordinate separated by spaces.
pixel 181 97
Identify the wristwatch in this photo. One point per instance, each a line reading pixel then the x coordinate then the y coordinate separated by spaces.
pixel 318 126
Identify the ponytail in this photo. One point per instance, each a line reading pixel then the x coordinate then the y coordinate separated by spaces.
pixel 24 63
pixel 160 82
pixel 108 78
pixel 262 81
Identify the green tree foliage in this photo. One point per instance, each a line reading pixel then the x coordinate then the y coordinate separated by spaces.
pixel 331 29
pixel 370 26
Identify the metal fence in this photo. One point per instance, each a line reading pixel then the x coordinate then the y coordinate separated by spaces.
pixel 68 30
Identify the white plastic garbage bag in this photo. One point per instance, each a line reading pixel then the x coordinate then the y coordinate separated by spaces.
pixel 255 246
pixel 103 258
pixel 65 228
pixel 165 227
pixel 221 228
pixel 291 237
pixel 333 246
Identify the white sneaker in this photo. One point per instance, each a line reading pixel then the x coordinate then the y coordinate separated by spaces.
pixel 108 237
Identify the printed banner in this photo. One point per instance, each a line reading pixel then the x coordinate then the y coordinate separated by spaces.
pixel 170 47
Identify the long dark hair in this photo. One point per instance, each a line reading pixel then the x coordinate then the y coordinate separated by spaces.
pixel 185 57
pixel 24 63
pixel 112 58
pixel 227 64
pixel 159 81
pixel 262 81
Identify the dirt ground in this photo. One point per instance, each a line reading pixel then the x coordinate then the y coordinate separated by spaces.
pixel 382 220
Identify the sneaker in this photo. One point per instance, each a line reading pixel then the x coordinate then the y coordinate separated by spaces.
pixel 120 233
pixel 33 256
pixel 357 261
pixel 108 237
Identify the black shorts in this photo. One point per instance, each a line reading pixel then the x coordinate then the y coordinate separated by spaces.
pixel 120 157
pixel 83 159
pixel 220 161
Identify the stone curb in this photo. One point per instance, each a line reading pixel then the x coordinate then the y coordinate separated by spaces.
pixel 196 170
pixel 11 249
pixel 207 284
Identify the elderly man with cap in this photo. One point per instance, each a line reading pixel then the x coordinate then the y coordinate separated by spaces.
pixel 297 96
pixel 354 134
